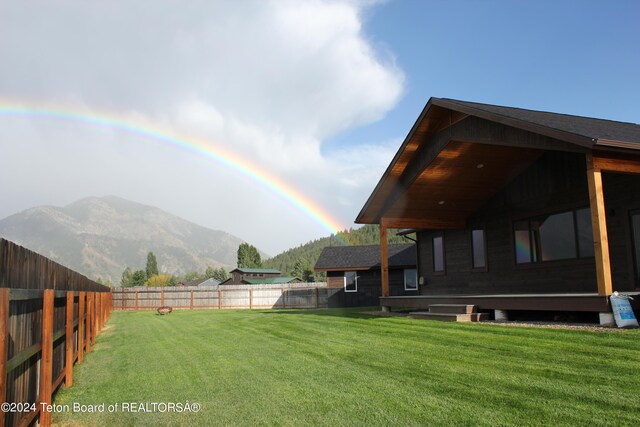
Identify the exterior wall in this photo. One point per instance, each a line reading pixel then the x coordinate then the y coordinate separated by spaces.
pixel 369 287
pixel 555 183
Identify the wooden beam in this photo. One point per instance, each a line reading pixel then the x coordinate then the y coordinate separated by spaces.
pixel 46 358
pixel 424 223
pixel 599 225
pixel 5 298
pixel 616 164
pixel 384 258
pixel 68 341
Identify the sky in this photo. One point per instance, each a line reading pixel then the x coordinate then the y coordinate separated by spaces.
pixel 274 120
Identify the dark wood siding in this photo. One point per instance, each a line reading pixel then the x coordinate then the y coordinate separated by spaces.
pixel 369 287
pixel 555 183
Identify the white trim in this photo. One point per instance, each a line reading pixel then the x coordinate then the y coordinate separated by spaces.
pixel 355 281
pixel 404 275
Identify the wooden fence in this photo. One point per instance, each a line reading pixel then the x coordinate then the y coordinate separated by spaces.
pixel 294 295
pixel 49 318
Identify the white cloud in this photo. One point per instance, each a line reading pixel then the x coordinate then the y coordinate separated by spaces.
pixel 269 80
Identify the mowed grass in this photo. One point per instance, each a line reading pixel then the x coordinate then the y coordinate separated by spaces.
pixel 339 367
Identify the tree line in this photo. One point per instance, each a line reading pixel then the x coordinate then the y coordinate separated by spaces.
pixel 151 276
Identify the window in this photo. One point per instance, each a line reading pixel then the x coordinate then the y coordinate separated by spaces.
pixel 478 254
pixel 438 254
pixel 350 281
pixel 565 235
pixel 410 279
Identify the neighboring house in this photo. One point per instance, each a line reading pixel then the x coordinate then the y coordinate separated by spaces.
pixel 252 276
pixel 356 270
pixel 202 282
pixel 514 209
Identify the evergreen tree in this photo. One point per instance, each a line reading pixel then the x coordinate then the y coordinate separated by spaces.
pixel 126 280
pixel 218 274
pixel 248 256
pixel 138 278
pixel 152 265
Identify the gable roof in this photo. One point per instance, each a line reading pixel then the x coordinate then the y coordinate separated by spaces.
pixel 431 182
pixel 333 258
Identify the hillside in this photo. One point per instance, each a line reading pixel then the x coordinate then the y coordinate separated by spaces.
pixel 99 237
pixel 366 235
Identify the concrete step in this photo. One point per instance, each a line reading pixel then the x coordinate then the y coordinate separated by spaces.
pixel 452 308
pixel 450 317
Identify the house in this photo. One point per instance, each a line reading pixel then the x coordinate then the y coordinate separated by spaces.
pixel 202 282
pixel 252 276
pixel 356 270
pixel 514 209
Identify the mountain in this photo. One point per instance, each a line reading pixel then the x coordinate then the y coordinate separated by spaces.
pixel 310 251
pixel 100 236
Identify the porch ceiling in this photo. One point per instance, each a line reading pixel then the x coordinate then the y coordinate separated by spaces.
pixel 461 178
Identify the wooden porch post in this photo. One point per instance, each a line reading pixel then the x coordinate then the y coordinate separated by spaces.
pixel 384 258
pixel 599 224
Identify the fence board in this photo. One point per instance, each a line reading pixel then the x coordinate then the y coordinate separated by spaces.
pixel 41 327
pixel 292 295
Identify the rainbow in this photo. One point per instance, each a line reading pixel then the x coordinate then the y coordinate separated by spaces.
pixel 195 145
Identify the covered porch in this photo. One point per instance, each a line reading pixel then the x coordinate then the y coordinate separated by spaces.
pixel 467 167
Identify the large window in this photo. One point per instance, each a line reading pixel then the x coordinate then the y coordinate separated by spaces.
pixel 478 246
pixel 410 279
pixel 438 254
pixel 350 281
pixel 565 235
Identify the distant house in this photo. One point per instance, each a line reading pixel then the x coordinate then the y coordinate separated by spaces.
pixel 252 276
pixel 202 282
pixel 356 270
pixel 514 209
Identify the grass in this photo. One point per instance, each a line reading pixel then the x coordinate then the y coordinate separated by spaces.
pixel 338 367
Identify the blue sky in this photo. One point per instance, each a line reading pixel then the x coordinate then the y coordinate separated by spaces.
pixel 319 93
pixel 573 57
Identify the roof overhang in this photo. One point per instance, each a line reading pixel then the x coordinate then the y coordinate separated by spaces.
pixel 453 160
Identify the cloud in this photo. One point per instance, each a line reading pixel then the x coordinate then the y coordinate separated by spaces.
pixel 269 80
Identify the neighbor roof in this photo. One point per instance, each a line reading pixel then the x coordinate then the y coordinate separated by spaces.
pixel 258 270
pixel 365 257
pixel 270 280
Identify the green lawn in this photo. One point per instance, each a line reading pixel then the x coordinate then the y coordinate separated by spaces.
pixel 337 367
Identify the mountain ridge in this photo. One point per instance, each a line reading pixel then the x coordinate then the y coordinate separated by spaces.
pixel 100 236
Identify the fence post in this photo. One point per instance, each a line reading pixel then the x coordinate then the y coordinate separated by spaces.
pixel 93 318
pixel 162 297
pixel 46 358
pixel 68 340
pixel 191 306
pixel 283 294
pixel 250 298
pixel 5 298
pixel 98 312
pixel 219 298
pixel 317 295
pixel 87 324
pixel 137 307
pixel 81 316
